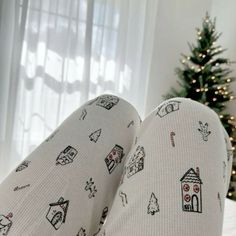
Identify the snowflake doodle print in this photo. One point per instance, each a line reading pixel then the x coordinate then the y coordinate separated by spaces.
pixel 66 156
pixel 91 187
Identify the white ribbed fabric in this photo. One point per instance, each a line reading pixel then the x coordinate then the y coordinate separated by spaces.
pixel 174 182
pixel 66 186
pixel 175 177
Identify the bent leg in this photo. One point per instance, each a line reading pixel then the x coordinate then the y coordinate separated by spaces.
pixel 65 187
pixel 175 177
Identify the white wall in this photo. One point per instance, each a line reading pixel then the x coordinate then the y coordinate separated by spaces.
pixel 175 26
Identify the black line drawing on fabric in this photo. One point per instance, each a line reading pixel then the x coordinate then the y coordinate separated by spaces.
pixel 107 101
pixel 224 170
pixel 130 123
pixel 102 220
pixel 191 191
pixel 83 114
pixel 91 188
pixel 5 224
pixel 172 134
pixel 204 130
pixel 57 213
pixel 219 200
pixel 21 187
pixel 167 107
pixel 22 166
pixel 123 198
pixel 114 157
pixel 92 101
pixel 136 140
pixel 136 162
pixel 50 137
pixel 95 135
pixel 82 232
pixel 66 156
pixel 153 206
pixel 229 154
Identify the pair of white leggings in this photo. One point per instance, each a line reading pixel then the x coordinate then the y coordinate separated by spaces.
pixel 105 172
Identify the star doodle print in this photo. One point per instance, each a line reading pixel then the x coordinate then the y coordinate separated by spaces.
pixel 66 156
pixel 114 157
pixel 95 135
pixel 57 213
pixel 153 206
pixel 136 162
pixel 204 130
pixel 22 166
pixel 191 191
pixel 91 188
pixel 5 224
pixel 167 107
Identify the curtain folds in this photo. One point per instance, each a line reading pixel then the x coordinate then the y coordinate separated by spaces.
pixel 66 53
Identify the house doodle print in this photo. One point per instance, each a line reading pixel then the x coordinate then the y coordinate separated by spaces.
pixel 191 191
pixel 114 157
pixel 136 162
pixel 5 224
pixel 167 108
pixel 57 213
pixel 66 156
pixel 107 101
pixel 22 166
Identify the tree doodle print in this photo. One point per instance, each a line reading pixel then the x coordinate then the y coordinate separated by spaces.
pixel 153 206
pixel 95 135
pixel 5 224
pixel 114 157
pixel 136 162
pixel 57 213
pixel 91 188
pixel 22 166
pixel 82 232
pixel 167 107
pixel 204 130
pixel 66 156
pixel 83 114
pixel 191 191
pixel 107 101
pixel 102 220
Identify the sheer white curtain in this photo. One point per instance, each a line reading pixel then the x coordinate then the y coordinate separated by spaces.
pixel 72 51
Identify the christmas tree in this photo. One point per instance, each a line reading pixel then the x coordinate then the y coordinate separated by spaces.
pixel 153 206
pixel 205 77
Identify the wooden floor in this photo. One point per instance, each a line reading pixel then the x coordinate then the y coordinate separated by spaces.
pixel 229 227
